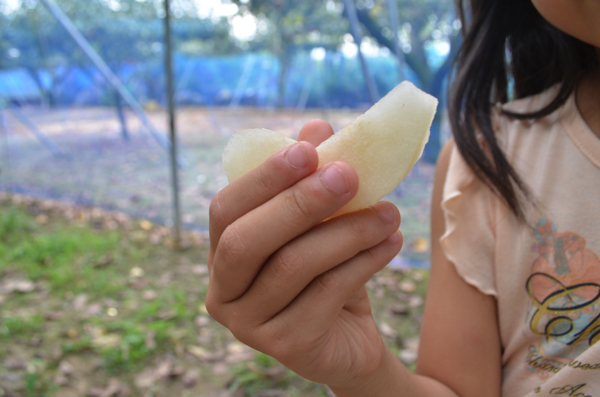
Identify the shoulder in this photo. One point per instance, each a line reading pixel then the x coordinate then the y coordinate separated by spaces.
pixel 443 162
pixel 441 172
pixel 531 103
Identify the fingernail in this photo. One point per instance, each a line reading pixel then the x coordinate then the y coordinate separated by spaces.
pixel 385 212
pixel 334 180
pixel 296 156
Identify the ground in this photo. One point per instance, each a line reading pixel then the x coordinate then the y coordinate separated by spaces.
pixel 94 300
pixel 99 168
pixel 97 303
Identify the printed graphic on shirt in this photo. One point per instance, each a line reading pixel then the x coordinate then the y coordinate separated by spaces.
pixel 564 288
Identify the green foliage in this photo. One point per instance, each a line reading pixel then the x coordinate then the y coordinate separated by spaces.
pixel 130 32
pixel 51 256
pixel 286 26
pixel 130 354
pixel 18 326
pixel 259 375
pixel 14 225
pixel 78 346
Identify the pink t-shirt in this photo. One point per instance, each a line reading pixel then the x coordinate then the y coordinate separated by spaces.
pixel 545 274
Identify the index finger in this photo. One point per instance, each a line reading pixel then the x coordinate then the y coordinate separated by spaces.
pixel 315 132
pixel 276 174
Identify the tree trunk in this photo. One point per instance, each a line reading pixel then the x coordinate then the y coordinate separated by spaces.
pixel 285 65
pixel 121 115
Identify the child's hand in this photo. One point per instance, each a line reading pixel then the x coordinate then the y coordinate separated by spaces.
pixel 290 285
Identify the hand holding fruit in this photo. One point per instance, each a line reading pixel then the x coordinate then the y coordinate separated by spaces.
pixel 290 286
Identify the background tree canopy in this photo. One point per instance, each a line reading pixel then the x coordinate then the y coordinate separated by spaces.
pixel 293 53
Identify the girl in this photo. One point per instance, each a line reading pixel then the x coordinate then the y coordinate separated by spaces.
pixel 513 307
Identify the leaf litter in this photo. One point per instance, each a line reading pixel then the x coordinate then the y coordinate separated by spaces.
pixel 137 325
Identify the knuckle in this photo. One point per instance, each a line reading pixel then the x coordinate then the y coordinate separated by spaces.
pixel 263 179
pixel 286 263
pixel 212 307
pixel 245 333
pixel 239 331
pixel 371 254
pixel 216 212
pixel 300 203
pixel 282 350
pixel 277 342
pixel 329 282
pixel 231 246
pixel 358 229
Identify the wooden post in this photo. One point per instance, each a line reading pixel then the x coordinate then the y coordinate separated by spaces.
pixel 172 132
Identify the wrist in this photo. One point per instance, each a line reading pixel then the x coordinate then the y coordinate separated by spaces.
pixel 389 379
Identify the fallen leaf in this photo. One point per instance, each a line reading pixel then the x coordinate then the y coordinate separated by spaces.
pixel 94 309
pixel 136 272
pixel 150 340
pixel 202 321
pixel 145 379
pixel 7 393
pixel 220 369
pixel 387 330
pixel 53 316
pixel 417 276
pixel 241 357
pixel 236 347
pixel 66 368
pixel 80 301
pixel 165 279
pixel 21 286
pixel 420 245
pixel 408 356
pixel 139 283
pixel 60 380
pixel 407 286
pixel 270 393
pixel 200 270
pixel 41 219
pixel 415 301
pixel 114 389
pixel 112 312
pixel 72 333
pixel 190 378
pixel 103 262
pixel 149 295
pixel 145 224
pixel 204 355
pixel 411 343
pixel 398 309
pixel 15 363
pixel 163 370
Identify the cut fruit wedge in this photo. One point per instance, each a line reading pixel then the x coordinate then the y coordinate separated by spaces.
pixel 382 145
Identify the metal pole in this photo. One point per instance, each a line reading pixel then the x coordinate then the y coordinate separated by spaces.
pixel 172 136
pixel 38 134
pixel 354 28
pixel 105 70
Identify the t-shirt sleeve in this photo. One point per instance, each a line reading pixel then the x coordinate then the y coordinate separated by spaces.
pixel 469 238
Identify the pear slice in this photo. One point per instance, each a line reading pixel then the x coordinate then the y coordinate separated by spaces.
pixel 382 145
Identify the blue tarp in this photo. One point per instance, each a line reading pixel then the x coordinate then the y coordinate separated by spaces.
pixel 18 85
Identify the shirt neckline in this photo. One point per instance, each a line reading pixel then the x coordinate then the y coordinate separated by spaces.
pixel 579 132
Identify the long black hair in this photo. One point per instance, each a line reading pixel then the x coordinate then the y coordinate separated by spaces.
pixel 509 52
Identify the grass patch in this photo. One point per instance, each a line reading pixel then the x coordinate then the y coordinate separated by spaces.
pixel 88 298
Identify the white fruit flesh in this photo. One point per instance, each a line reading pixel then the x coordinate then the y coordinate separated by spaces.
pixel 382 145
pixel 247 149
